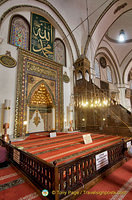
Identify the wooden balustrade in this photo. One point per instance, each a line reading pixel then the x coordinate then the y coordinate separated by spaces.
pixel 80 171
pixel 61 180
pixel 39 172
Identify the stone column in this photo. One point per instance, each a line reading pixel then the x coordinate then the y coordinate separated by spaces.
pixel 53 118
pixel 27 126
pixel 71 118
pixel 123 100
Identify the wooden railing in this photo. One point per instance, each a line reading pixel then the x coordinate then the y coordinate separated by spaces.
pixel 63 179
pixel 82 170
pixel 39 172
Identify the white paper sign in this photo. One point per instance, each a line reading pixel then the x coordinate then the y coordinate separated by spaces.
pixel 16 156
pixel 128 144
pixel 101 160
pixel 53 134
pixel 87 139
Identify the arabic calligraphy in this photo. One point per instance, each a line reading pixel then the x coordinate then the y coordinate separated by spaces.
pixel 42 36
pixel 43 71
pixel 43 49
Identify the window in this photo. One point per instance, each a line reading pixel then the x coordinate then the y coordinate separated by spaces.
pixel 79 75
pixel 130 84
pixel 97 70
pixel 19 32
pixel 59 52
pixel 109 75
pixel 87 75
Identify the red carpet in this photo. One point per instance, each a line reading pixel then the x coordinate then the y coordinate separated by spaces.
pixel 116 186
pixel 65 146
pixel 14 187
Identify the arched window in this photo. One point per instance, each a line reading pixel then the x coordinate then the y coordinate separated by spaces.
pixel 87 75
pixel 109 75
pixel 97 70
pixel 130 75
pixel 79 75
pixel 130 78
pixel 19 32
pixel 59 52
pixel 130 84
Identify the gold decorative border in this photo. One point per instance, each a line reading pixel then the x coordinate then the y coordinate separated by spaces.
pixel 24 57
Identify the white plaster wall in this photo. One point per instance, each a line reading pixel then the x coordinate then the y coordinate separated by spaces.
pixel 67 87
pixel 67 92
pixel 124 101
pixel 8 91
pixel 73 14
pixel 103 74
pixel 113 87
pixel 1 117
pixel 97 82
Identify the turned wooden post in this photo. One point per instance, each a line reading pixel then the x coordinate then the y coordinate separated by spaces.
pixel 56 181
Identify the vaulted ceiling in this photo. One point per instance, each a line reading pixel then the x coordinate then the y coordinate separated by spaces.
pixel 88 25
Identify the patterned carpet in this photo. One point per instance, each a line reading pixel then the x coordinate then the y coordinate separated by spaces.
pixel 14 187
pixel 65 146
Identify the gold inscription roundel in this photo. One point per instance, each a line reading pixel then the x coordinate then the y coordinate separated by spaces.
pixel 7 61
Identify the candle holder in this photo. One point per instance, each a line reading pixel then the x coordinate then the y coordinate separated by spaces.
pixel 71 128
pixel 5 137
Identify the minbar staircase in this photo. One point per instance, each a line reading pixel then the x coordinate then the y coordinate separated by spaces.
pixel 119 121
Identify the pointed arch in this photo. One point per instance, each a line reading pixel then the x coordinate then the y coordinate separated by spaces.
pixel 36 86
pixel 126 72
pixel 87 75
pixel 79 75
pixel 60 51
pixel 109 74
pixel 97 69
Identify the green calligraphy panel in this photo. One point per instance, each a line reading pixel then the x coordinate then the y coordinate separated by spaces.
pixel 42 36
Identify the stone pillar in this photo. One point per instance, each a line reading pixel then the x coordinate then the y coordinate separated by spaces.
pixel 27 127
pixel 71 118
pixel 53 118
pixel 122 96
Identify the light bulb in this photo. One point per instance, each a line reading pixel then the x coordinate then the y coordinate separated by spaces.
pixel 122 36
